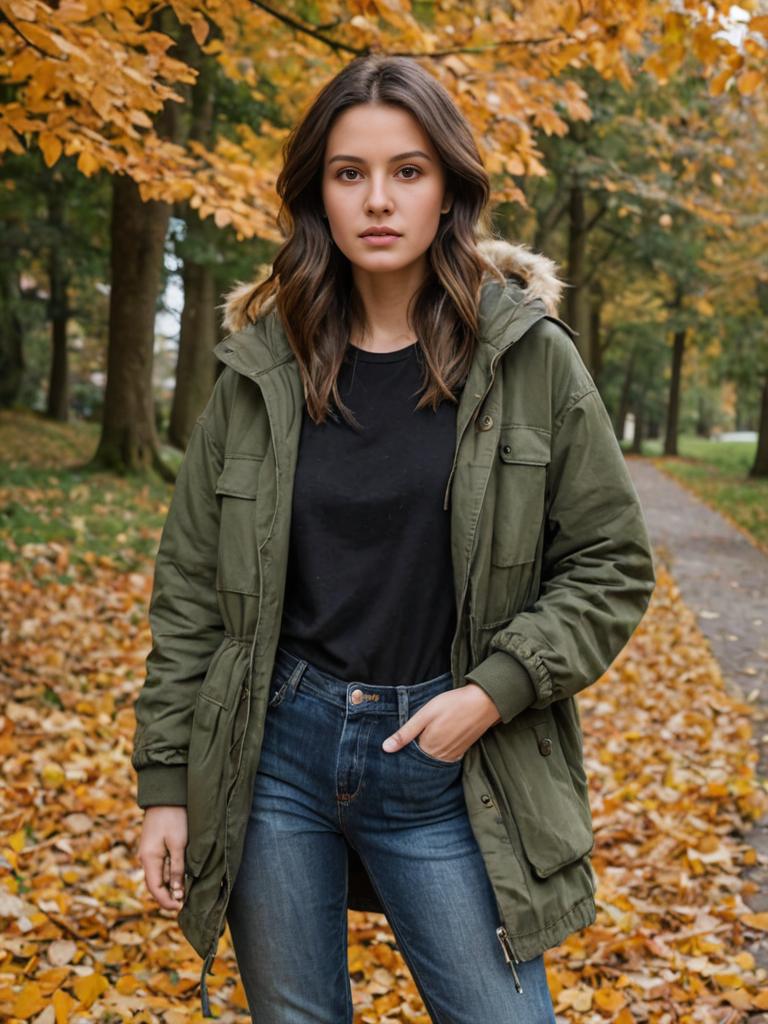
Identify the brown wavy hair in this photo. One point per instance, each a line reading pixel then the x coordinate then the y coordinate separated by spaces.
pixel 311 279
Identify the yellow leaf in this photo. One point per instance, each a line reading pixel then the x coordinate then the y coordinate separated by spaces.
pixel 28 1002
pixel 200 29
pixel 705 308
pixel 89 987
pixel 608 999
pixel 756 920
pixel 87 163
pixel 63 1005
pixel 51 147
pixel 25 11
pixel 17 840
pixel 101 101
pixel 53 775
pixel 748 82
pixel 728 980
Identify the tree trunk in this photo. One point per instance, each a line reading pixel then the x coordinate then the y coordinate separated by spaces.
pixel 195 370
pixel 637 441
pixel 576 304
pixel 759 467
pixel 58 312
pixel 128 441
pixel 11 348
pixel 595 330
pixel 703 419
pixel 673 405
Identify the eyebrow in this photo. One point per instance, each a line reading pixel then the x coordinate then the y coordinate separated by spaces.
pixel 400 156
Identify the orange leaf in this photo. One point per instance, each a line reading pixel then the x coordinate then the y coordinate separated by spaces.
pixel 28 1002
pixel 87 163
pixel 749 82
pixel 608 999
pixel 51 147
pixel 89 987
pixel 200 29
pixel 757 920
pixel 63 1005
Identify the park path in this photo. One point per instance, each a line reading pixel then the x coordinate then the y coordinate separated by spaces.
pixel 723 578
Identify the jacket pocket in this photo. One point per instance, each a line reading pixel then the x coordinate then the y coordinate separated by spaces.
pixel 238 491
pixel 521 467
pixel 536 795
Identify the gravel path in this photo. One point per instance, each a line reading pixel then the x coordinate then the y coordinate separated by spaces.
pixel 723 578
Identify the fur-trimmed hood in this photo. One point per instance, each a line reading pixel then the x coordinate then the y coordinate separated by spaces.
pixel 536 273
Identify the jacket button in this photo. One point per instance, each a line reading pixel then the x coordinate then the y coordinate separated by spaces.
pixel 507 449
pixel 485 423
pixel 545 746
pixel 486 800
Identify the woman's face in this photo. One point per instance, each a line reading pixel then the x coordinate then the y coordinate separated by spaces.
pixel 381 170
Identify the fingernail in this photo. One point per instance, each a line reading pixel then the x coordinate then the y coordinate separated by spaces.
pixel 390 744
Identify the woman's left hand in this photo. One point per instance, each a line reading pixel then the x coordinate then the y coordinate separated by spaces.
pixel 450 722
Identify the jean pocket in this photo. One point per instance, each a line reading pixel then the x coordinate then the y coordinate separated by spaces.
pixel 422 755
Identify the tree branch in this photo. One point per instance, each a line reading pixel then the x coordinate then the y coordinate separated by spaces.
pixel 316 33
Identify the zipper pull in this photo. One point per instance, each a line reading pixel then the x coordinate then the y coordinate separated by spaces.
pixel 509 954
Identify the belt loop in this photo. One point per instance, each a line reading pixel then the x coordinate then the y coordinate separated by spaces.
pixel 296 676
pixel 402 705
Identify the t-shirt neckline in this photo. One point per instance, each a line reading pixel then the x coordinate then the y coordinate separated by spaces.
pixel 366 356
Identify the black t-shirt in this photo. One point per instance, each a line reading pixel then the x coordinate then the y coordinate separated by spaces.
pixel 369 593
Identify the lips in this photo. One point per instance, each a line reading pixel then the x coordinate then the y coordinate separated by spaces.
pixel 378 232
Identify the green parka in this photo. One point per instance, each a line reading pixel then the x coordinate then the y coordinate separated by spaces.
pixel 553 571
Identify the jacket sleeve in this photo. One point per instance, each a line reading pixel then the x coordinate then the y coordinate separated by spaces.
pixel 597 570
pixel 184 617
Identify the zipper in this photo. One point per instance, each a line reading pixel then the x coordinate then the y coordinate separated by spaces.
pixel 502 934
pixel 509 953
pixel 510 956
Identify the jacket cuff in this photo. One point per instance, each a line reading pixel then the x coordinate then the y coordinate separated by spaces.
pixel 506 681
pixel 162 784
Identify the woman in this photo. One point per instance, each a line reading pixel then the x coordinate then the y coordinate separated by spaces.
pixel 402 538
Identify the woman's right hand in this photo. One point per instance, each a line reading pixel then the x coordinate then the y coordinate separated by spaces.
pixel 161 852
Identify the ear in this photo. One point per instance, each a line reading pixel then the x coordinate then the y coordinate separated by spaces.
pixel 447 203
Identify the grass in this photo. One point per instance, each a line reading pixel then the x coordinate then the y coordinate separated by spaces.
pixel 716 472
pixel 49 502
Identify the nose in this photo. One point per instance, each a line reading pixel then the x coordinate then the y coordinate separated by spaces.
pixel 378 197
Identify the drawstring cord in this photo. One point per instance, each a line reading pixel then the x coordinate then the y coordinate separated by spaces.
pixel 206 1006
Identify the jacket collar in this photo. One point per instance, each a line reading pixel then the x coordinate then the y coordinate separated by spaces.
pixel 531 290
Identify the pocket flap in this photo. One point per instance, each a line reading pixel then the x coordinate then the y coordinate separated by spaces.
pixel 525 444
pixel 540 802
pixel 240 476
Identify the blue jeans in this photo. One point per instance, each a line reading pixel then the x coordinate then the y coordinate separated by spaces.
pixel 324 778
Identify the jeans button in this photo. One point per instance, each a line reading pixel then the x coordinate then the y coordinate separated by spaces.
pixel 356 696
